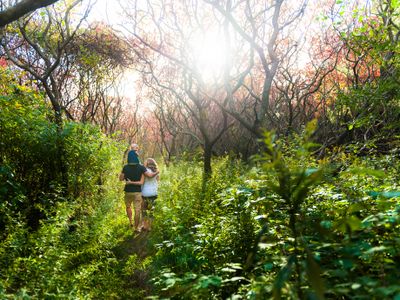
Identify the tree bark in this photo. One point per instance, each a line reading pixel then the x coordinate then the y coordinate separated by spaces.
pixel 15 12
pixel 207 161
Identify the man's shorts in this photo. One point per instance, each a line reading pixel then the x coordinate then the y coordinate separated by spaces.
pixel 133 197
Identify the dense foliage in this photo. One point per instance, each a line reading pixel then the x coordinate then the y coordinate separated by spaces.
pixel 292 227
pixel 57 238
pixel 288 225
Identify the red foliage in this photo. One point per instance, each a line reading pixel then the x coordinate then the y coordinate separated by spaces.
pixel 3 62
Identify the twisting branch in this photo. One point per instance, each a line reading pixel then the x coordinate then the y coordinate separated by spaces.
pixel 22 8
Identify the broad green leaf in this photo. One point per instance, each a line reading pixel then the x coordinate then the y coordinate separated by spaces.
pixel 314 275
pixel 282 277
pixel 375 249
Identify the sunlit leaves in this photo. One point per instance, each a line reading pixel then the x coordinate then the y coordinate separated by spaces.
pixel 314 272
pixel 282 277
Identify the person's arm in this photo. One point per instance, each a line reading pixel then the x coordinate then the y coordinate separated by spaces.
pixel 122 177
pixel 151 174
pixel 140 182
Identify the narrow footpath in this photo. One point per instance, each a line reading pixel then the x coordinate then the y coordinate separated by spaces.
pixel 131 254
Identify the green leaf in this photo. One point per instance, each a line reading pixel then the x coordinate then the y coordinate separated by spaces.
pixel 326 224
pixel 282 277
pixel 354 223
pixel 375 249
pixel 233 279
pixel 365 171
pixel 310 171
pixel 206 281
pixel 314 275
pixel 355 286
pixel 388 195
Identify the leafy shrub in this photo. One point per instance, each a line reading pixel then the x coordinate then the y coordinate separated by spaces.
pixel 56 243
pixel 292 228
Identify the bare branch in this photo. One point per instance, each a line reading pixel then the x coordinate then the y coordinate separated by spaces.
pixel 22 8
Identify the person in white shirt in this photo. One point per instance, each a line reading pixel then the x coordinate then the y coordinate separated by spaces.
pixel 149 192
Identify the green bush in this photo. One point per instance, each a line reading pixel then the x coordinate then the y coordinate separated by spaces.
pixel 291 227
pixel 57 243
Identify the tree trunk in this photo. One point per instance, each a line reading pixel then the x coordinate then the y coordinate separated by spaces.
pixel 207 161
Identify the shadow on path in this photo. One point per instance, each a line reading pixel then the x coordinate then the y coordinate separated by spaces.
pixel 131 253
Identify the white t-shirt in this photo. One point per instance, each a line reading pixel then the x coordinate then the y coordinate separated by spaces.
pixel 150 186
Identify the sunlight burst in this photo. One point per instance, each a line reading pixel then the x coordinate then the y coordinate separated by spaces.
pixel 210 55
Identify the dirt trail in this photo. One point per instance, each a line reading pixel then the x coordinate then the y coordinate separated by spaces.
pixel 136 278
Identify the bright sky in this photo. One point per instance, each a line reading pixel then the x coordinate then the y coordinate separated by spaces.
pixel 106 11
pixel 207 48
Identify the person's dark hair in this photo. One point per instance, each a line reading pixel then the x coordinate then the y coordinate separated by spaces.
pixel 133 158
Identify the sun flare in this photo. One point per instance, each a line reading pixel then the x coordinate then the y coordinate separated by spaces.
pixel 210 55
